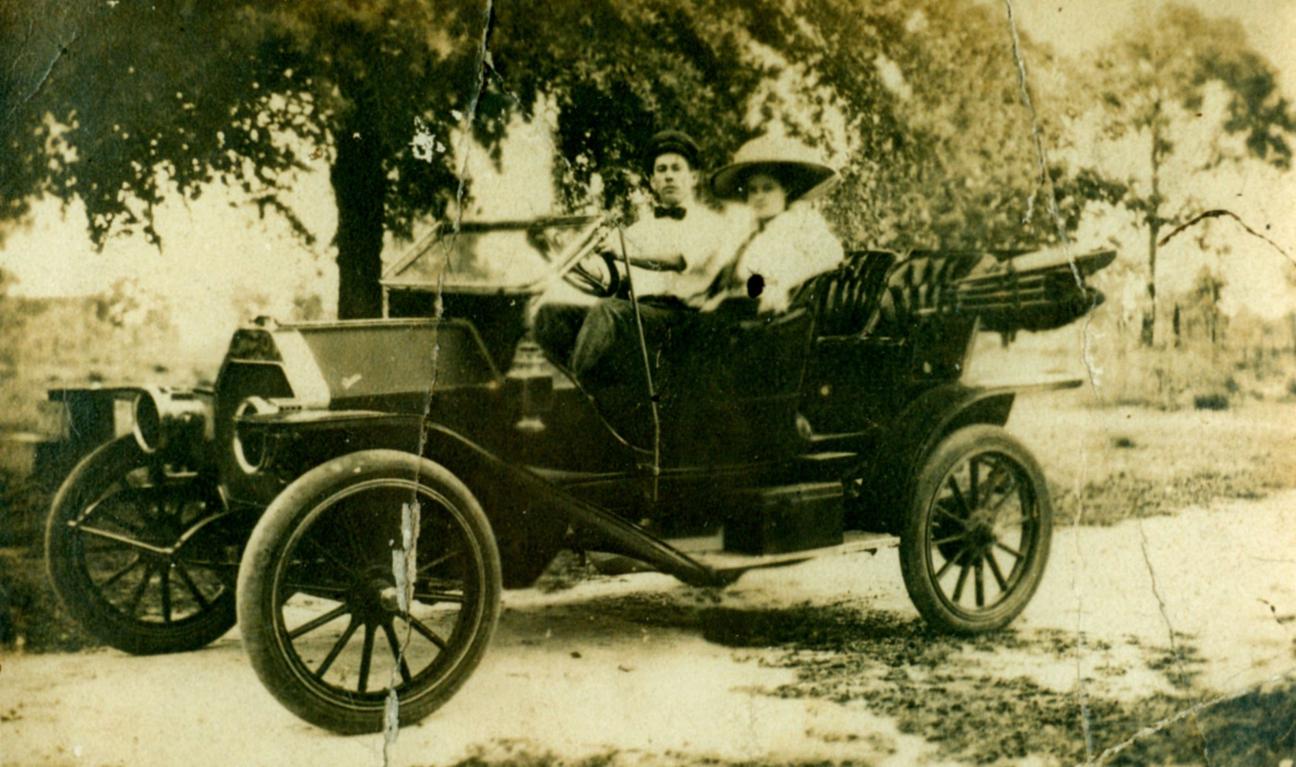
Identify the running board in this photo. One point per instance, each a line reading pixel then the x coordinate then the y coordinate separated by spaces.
pixel 709 552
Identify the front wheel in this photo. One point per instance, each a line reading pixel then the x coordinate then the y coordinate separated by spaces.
pixel 139 552
pixel 374 572
pixel 976 538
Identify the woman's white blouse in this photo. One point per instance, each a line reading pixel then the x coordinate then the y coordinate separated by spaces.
pixel 793 247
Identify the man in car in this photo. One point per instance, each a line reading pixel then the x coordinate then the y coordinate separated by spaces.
pixel 676 250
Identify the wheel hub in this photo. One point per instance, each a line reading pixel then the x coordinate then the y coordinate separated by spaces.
pixel 389 600
pixel 981 529
pixel 373 599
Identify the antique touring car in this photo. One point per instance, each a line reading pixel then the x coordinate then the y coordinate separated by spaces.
pixel 368 488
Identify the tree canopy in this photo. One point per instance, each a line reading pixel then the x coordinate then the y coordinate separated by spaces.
pixel 146 99
pixel 121 104
pixel 1152 85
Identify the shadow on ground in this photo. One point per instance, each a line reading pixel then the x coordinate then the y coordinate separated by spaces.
pixel 946 690
pixel 934 688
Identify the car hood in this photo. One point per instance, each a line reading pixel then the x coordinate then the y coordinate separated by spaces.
pixel 383 364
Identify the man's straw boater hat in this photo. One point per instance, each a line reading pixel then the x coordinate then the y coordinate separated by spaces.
pixel 802 172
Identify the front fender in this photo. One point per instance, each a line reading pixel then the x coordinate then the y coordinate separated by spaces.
pixel 528 535
pixel 886 484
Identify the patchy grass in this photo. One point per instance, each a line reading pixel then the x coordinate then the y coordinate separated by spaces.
pixel 1116 498
pixel 514 754
pixel 947 690
pixel 1215 401
pixel 23 504
pixel 518 754
pixel 1110 464
pixel 1181 665
pixel 1198 375
pixel 899 667
pixel 1171 379
pixel 31 617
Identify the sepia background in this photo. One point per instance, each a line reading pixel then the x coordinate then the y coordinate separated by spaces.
pixel 172 169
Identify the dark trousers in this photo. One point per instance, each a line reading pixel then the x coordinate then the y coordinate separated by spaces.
pixel 600 346
pixel 600 343
pixel 607 349
pixel 555 330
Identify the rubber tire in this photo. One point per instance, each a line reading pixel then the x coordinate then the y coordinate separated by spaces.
pixel 256 602
pixel 105 465
pixel 914 552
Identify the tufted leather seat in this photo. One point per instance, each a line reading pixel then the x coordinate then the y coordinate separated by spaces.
pixel 848 300
pixel 922 282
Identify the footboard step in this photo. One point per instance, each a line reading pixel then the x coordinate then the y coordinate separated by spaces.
pixel 710 551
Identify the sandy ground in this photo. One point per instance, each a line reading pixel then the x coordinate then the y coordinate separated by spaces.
pixel 618 667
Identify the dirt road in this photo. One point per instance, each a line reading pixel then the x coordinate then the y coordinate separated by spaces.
pixel 823 661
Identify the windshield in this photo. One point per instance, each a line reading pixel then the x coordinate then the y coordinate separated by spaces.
pixel 485 254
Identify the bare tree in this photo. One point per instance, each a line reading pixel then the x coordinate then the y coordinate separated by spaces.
pixel 1153 81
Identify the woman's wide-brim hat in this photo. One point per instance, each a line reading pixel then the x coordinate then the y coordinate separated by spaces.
pixel 799 168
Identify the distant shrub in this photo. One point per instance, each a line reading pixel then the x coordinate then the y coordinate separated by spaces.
pixel 72 346
pixel 1215 401
pixel 1192 376
pixel 1122 442
pixel 1166 379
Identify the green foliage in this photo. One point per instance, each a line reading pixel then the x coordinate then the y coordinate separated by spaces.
pixel 1152 84
pixel 119 105
pixel 619 71
pixel 135 99
pixel 139 99
pixel 963 173
pixel 1170 59
pixel 11 325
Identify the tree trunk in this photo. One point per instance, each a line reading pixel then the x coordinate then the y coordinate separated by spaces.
pixel 1154 226
pixel 1149 320
pixel 359 188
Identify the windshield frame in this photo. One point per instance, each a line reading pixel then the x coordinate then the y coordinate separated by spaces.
pixel 557 262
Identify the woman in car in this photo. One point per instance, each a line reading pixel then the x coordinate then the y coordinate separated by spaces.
pixel 790 242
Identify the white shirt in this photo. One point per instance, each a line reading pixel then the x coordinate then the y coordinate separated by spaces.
pixel 794 246
pixel 700 237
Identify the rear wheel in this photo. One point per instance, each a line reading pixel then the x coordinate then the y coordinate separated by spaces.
pixel 976 539
pixel 374 572
pixel 137 553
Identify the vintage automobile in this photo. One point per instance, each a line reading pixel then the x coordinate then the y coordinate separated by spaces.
pixel 368 488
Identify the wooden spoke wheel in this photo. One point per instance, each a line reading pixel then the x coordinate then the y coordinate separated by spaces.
pixel 975 542
pixel 137 552
pixel 374 572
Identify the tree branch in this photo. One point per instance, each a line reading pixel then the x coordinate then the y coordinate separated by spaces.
pixel 44 78
pixel 1217 213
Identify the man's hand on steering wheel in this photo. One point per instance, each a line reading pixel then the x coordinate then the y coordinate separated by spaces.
pixel 603 242
pixel 673 262
pixel 592 282
pixel 587 263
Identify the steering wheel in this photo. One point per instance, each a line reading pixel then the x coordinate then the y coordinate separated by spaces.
pixel 587 264
pixel 598 281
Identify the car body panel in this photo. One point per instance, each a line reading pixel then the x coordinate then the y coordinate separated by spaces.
pixel 852 385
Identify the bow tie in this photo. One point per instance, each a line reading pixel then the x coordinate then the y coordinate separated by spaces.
pixel 675 211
